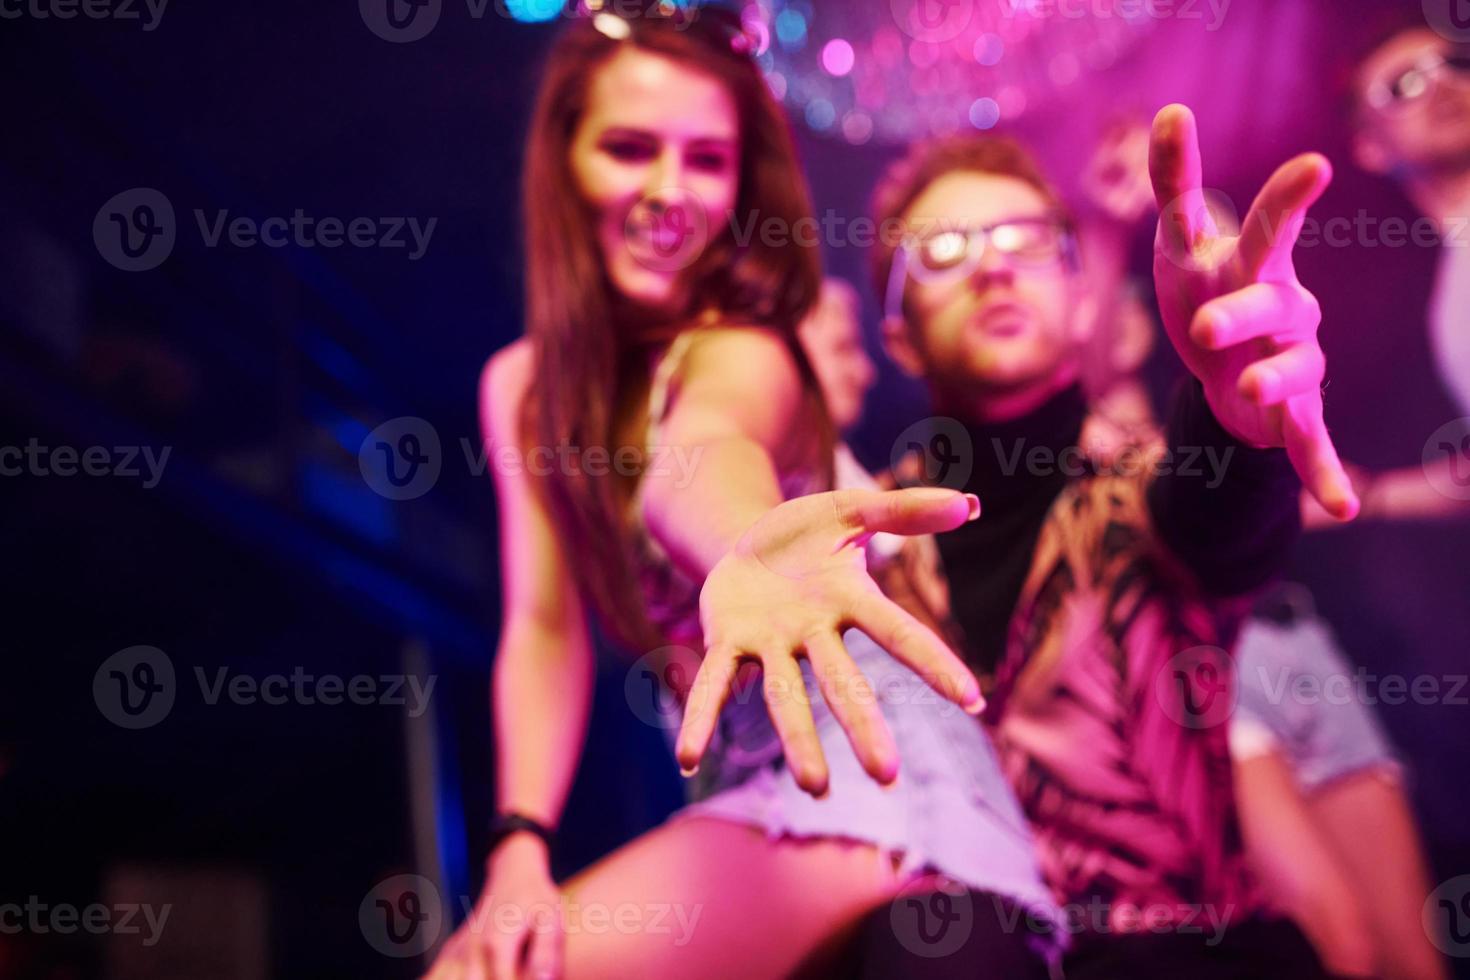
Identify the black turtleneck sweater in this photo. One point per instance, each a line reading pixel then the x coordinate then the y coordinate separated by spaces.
pixel 1231 523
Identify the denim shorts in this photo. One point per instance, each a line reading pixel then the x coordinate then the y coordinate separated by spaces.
pixel 1299 695
pixel 950 811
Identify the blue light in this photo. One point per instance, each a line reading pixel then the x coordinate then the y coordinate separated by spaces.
pixel 791 29
pixel 820 115
pixel 533 11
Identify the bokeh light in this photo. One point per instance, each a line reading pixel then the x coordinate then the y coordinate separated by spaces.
pixel 837 57
pixel 984 113
pixel 534 11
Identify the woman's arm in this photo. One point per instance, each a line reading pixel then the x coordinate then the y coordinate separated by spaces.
pixel 542 685
pixel 543 669
pixel 736 410
pixel 783 579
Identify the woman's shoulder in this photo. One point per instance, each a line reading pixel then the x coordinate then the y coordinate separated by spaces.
pixel 504 382
pixel 740 348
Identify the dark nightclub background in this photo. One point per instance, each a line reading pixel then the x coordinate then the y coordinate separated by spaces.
pixel 261 556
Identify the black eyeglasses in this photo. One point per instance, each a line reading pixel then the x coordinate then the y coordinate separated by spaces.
pixel 1413 82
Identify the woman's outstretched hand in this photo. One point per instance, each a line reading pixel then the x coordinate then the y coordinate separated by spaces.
pixel 793 582
pixel 1234 309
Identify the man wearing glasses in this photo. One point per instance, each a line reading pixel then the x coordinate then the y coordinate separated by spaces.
pixel 1100 603
pixel 1413 123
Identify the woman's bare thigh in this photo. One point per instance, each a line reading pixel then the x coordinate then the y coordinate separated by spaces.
pixel 711 898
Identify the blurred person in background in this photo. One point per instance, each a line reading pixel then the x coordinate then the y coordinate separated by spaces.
pixel 1316 776
pixel 1078 592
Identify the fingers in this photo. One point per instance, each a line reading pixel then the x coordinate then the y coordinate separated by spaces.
pixel 544 962
pixel 791 714
pixel 916 645
pixel 918 510
pixel 1315 458
pixel 855 706
pixel 1297 370
pixel 504 956
pixel 702 709
pixel 1278 212
pixel 1262 309
pixel 1174 167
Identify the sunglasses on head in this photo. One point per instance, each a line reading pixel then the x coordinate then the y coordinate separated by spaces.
pixel 1412 83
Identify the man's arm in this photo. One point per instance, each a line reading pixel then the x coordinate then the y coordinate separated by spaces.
pixel 1228 511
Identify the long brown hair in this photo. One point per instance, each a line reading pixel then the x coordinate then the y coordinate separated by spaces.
pixel 581 354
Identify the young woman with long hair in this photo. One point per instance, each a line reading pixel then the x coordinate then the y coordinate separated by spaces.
pixel 653 328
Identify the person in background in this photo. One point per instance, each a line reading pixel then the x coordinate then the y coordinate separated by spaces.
pixel 1079 590
pixel 832 337
pixel 1316 775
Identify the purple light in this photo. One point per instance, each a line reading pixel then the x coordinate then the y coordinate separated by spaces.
pixel 988 49
pixel 984 113
pixel 837 57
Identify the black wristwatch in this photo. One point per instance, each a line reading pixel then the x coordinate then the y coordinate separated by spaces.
pixel 506 824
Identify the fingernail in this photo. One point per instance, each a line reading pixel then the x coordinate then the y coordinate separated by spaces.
pixel 976 706
pixel 974 503
pixel 687 771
